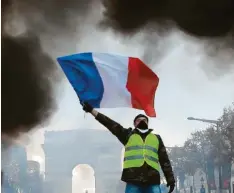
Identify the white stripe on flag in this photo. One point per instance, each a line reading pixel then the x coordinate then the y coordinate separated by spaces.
pixel 114 73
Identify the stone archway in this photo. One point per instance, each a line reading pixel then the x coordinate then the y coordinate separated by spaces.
pixel 65 149
pixel 83 179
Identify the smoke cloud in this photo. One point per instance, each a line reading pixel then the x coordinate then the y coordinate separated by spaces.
pixel 26 88
pixel 25 62
pixel 29 73
pixel 211 22
pixel 50 16
pixel 195 17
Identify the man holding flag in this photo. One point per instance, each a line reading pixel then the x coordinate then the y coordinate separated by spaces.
pixel 103 80
pixel 144 154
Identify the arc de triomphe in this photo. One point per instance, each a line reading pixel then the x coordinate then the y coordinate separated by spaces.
pixel 64 150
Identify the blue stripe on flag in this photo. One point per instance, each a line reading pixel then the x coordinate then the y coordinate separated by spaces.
pixel 84 77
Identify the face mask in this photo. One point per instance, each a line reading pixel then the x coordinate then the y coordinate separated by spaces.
pixel 142 125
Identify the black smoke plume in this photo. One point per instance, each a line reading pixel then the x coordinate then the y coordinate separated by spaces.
pixel 28 73
pixel 26 87
pixel 210 21
pixel 209 18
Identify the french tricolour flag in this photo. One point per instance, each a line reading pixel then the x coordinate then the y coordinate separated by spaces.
pixel 109 81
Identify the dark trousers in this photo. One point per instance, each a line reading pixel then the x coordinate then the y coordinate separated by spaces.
pixel 130 188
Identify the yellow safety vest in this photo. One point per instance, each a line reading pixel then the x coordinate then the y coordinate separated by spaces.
pixel 137 151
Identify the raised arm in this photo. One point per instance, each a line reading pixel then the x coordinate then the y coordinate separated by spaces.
pixel 115 128
pixel 166 165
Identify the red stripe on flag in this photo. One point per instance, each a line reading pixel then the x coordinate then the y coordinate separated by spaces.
pixel 142 83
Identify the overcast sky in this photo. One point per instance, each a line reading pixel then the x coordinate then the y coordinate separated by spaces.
pixel 188 86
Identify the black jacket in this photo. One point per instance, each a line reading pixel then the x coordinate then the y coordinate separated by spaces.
pixel 144 175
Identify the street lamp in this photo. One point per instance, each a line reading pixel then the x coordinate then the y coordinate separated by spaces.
pixel 202 181
pixel 191 118
pixel 216 123
pixel 204 120
pixel 202 190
